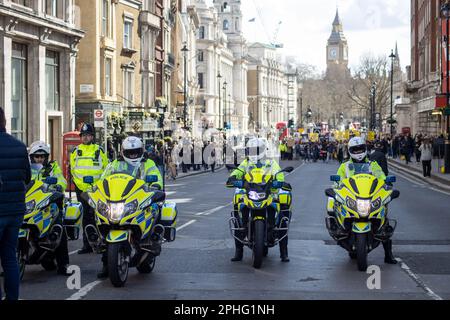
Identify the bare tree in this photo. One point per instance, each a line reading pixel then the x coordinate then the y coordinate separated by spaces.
pixel 371 70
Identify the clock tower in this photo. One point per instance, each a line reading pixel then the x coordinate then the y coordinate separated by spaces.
pixel 337 50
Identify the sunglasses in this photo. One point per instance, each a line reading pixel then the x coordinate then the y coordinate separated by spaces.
pixel 39 156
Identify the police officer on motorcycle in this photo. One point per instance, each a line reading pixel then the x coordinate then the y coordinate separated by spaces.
pixel 256 151
pixel 133 162
pixel 357 149
pixel 42 168
pixel 88 159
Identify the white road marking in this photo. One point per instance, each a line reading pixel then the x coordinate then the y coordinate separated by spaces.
pixel 419 281
pixel 84 291
pixel 181 200
pixel 211 211
pixel 73 252
pixel 186 224
pixel 421 184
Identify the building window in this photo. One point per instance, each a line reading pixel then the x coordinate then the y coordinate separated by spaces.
pixel 105 18
pixel 52 80
pixel 26 3
pixel 201 34
pixel 51 7
pixel 226 25
pixel 127 34
pixel 108 64
pixel 200 56
pixel 19 91
pixel 128 87
pixel 201 81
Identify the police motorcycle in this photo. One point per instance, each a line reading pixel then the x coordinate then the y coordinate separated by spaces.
pixel 360 204
pixel 44 224
pixel 269 212
pixel 133 220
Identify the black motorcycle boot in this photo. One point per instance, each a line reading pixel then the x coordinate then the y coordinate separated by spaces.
pixel 104 273
pixel 388 255
pixel 239 252
pixel 284 251
pixel 62 271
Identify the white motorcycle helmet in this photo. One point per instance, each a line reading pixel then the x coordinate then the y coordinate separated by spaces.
pixel 133 151
pixel 39 148
pixel 256 149
pixel 357 149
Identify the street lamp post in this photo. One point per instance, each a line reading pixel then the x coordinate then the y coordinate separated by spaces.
pixel 225 84
pixel 391 119
pixel 373 92
pixel 219 77
pixel 185 50
pixel 445 11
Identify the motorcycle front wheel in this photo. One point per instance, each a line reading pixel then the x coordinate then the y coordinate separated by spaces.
pixel 361 251
pixel 118 263
pixel 258 243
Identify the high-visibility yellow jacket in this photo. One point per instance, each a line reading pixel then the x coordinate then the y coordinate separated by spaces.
pixel 147 168
pixel 346 172
pixel 247 166
pixel 86 161
pixel 51 170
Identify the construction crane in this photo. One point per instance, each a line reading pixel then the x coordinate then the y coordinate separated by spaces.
pixel 274 43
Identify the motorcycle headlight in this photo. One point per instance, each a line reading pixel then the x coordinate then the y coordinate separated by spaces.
pixel 102 208
pixel 363 207
pixel 30 206
pixel 351 204
pixel 255 196
pixel 376 204
pixel 43 204
pixel 130 208
pixel 116 212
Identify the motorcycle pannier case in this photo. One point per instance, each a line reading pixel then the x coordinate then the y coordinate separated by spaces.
pixel 169 214
pixel 72 219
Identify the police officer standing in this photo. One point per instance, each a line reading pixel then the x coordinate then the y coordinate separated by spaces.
pixel 88 159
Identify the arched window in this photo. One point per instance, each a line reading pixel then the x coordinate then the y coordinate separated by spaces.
pixel 226 25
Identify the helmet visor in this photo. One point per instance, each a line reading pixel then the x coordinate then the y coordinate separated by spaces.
pixel 358 149
pixel 133 153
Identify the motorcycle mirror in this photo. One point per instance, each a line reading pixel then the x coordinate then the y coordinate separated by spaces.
pixel 238 184
pixel 51 181
pixel 395 194
pixel 330 193
pixel 391 179
pixel 288 170
pixel 88 180
pixel 335 178
pixel 151 179
pixel 277 185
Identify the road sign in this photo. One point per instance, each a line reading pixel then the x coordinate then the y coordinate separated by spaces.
pixel 99 115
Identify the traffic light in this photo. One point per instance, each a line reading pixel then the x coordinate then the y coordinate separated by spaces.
pixel 291 123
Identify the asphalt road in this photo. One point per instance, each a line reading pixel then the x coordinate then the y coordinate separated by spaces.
pixel 197 265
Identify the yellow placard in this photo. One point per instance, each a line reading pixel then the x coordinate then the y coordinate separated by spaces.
pixel 301 130
pixel 371 136
pixel 314 137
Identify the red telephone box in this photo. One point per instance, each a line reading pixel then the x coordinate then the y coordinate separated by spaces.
pixel 70 141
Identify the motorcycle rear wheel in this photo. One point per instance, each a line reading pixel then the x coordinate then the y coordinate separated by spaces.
pixel 259 245
pixel 361 251
pixel 21 258
pixel 118 263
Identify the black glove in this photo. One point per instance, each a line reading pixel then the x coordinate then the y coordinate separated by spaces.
pixel 231 181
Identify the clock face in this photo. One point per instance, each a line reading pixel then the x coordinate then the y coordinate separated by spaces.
pixel 333 53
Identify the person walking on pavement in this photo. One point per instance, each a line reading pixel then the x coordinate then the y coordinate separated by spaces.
pixel 15 175
pixel 426 156
pixel 42 168
pixel 88 159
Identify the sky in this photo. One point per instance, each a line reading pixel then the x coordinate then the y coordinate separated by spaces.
pixel 369 25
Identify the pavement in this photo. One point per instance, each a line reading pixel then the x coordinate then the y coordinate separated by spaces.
pixel 414 170
pixel 197 265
